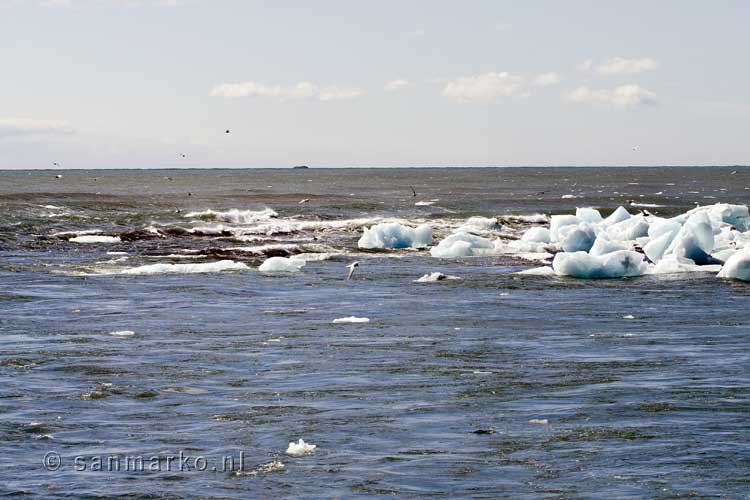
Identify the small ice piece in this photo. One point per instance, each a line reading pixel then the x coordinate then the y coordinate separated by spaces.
pixel 539 421
pixel 122 333
pixel 92 238
pixel 672 264
pixel 737 266
pixel 536 235
pixel 568 196
pixel 588 214
pixel 395 235
pixel 480 224
pixel 351 319
pixel 437 276
pixel 424 203
pixel 300 449
pixel 461 245
pixel 281 265
pixel 628 229
pixel 618 264
pixel 577 238
pixel 538 271
pixel 619 215
pixel 628 316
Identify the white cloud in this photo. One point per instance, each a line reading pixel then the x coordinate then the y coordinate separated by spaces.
pixel 585 65
pixel 625 96
pixel 546 79
pixel 303 90
pixel 483 88
pixel 396 85
pixel 621 66
pixel 26 126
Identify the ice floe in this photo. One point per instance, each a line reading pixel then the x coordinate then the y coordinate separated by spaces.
pixel 351 319
pixel 300 448
pixel 207 267
pixel 395 235
pixel 122 333
pixel 437 276
pixel 737 266
pixel 282 265
pixel 95 238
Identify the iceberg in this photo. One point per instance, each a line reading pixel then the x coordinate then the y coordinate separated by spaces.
pixel 672 264
pixel 737 266
pixel 619 215
pixel 619 264
pixel 603 246
pixel 559 221
pixel 282 265
pixel 395 235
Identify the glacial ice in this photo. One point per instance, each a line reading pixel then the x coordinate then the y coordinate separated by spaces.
pixel 207 267
pixel 395 235
pixel 282 265
pixel 461 245
pixel 351 319
pixel 92 238
pixel 737 266
pixel 437 276
pixel 621 263
pixel 300 448
pixel 577 238
pixel 536 235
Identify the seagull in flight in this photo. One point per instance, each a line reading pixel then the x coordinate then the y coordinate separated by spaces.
pixel 351 268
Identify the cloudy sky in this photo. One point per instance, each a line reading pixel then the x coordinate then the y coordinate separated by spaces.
pixel 139 83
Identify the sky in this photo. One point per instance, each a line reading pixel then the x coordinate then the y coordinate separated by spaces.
pixel 156 83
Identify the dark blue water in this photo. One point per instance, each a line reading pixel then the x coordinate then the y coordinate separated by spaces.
pixel 238 364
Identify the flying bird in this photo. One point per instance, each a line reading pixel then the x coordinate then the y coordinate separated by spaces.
pixel 351 268
pixel 414 193
pixel 227 131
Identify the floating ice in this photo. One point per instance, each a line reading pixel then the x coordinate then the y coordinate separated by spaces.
pixel 480 224
pixel 539 421
pixel 618 264
pixel 462 245
pixel 619 215
pixel 737 266
pixel 351 319
pixel 559 221
pixel 603 246
pixel 577 238
pixel 300 449
pixel 588 214
pixel 424 203
pixel 432 277
pixel 95 239
pixel 539 271
pixel 537 235
pixel 673 264
pixel 395 235
pixel 122 333
pixel 208 267
pixel 281 265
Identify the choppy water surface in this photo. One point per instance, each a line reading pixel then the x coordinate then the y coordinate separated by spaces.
pixel 644 383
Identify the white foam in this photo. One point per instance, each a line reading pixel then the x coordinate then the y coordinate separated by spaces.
pixel 351 319
pixel 235 216
pixel 208 267
pixel 281 265
pixel 300 449
pixel 95 239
